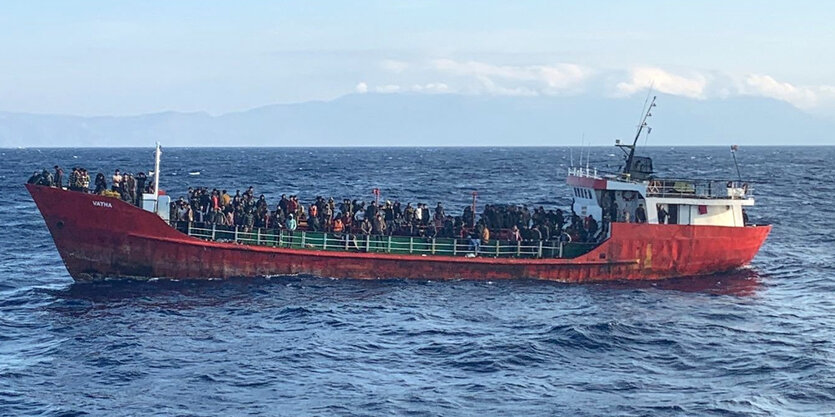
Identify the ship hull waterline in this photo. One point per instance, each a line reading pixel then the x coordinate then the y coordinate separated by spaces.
pixel 100 238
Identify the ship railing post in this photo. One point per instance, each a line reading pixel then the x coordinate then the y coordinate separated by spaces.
pixel 498 248
pixel 188 228
pixel 367 243
pixel 258 236
pixel 433 245
pixel 324 241
pixel 388 244
pixel 539 251
pixel 561 244
pixel 411 244
pixel 518 248
pixel 213 231
pixel 346 236
pixel 454 247
pixel 236 233
pixel 280 240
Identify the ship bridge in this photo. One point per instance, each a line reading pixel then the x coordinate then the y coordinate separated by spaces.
pixel 617 197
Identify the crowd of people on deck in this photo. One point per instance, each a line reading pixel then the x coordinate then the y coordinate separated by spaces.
pixel 507 222
pixel 245 210
pixel 127 186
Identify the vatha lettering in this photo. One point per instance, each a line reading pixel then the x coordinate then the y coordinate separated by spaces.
pixel 102 204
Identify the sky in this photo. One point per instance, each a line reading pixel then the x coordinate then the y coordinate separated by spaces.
pixel 131 57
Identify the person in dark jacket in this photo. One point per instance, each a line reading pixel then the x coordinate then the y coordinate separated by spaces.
pixel 101 183
pixel 35 178
pixel 662 214
pixel 640 214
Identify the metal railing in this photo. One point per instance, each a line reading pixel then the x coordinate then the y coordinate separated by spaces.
pixel 583 172
pixel 676 187
pixel 687 188
pixel 382 243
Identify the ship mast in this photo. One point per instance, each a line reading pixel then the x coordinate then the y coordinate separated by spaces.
pixel 627 168
pixel 156 178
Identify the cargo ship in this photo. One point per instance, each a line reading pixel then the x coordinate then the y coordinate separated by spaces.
pixel 650 228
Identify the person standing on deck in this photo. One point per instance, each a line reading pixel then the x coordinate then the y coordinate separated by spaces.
pixel 225 199
pixel 84 180
pixel 117 182
pixel 74 180
pixel 291 224
pixel 101 184
pixel 59 176
pixel 662 214
pixel 141 179
pixel 365 227
pixel 515 235
pixel 640 214
pixel 591 227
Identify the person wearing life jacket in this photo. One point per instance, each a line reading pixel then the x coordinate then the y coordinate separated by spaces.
pixel 338 227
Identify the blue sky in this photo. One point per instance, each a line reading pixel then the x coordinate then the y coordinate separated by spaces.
pixel 105 57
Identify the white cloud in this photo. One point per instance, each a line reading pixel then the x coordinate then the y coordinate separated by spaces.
pixel 478 77
pixel 641 78
pixel 800 97
pixel 515 79
pixel 361 87
pixel 388 88
pixel 428 88
pixel 431 88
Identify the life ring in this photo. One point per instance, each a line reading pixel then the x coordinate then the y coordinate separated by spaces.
pixel 629 195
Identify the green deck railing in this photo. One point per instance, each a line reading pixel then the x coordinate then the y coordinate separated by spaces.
pixel 404 245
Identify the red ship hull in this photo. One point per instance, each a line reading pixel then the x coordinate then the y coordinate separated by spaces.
pixel 100 238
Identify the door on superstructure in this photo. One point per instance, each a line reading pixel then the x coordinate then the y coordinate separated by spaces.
pixel 685 213
pixel 672 213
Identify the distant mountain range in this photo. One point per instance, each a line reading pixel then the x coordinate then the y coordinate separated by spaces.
pixel 436 120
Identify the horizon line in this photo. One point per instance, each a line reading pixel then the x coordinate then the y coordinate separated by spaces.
pixel 794 145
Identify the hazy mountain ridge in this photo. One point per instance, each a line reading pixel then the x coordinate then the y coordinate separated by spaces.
pixel 435 120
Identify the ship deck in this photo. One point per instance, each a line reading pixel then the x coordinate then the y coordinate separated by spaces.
pixel 401 245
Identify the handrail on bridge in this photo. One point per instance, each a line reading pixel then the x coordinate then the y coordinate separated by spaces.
pixel 688 188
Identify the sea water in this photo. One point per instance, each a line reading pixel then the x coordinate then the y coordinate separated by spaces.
pixel 758 341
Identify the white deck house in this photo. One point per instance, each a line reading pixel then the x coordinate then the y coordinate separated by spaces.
pixel 687 202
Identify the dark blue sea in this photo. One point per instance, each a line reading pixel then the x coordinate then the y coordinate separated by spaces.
pixel 756 342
